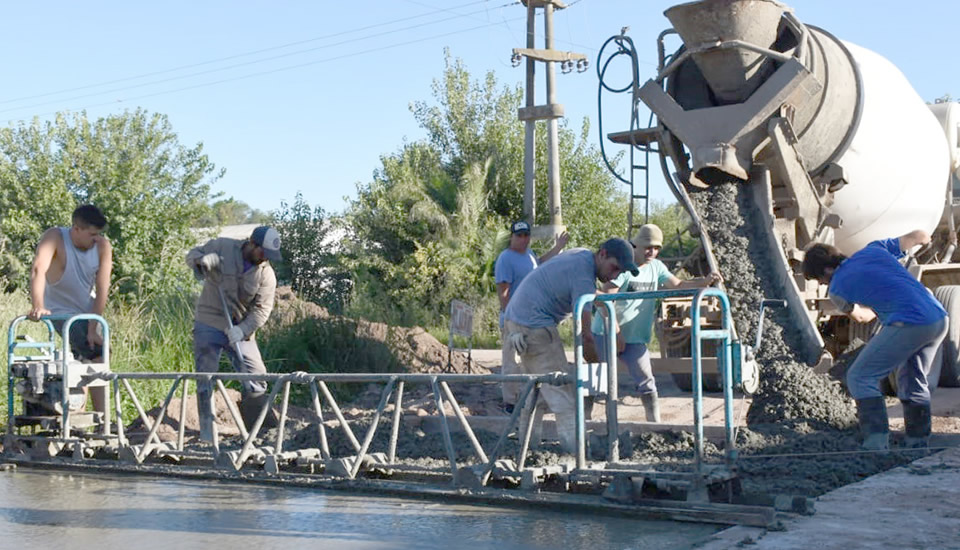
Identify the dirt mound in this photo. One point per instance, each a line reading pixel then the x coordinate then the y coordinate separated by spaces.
pixel 413 347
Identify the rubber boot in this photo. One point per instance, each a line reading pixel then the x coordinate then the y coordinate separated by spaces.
pixel 208 424
pixel 916 419
pixel 872 413
pixel 651 406
pixel 250 406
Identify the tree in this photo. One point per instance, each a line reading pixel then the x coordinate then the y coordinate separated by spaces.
pixel 149 186
pixel 429 226
pixel 233 212
pixel 310 262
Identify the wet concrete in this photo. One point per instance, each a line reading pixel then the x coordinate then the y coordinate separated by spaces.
pixel 43 510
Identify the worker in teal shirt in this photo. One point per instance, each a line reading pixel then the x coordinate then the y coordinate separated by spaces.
pixel 635 317
pixel 869 284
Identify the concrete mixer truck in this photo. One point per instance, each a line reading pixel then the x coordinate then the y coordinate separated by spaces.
pixel 829 140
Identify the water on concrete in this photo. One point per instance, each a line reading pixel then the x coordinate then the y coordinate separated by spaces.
pixel 43 510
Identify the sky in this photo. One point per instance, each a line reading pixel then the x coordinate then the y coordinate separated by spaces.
pixel 306 96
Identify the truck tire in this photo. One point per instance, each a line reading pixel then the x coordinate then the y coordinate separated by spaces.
pixel 711 382
pixel 949 297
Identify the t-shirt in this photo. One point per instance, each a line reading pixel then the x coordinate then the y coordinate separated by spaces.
pixel 546 296
pixel 874 278
pixel 512 267
pixel 635 317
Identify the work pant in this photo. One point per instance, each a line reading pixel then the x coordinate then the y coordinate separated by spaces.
pixel 208 343
pixel 908 349
pixel 509 360
pixel 637 359
pixel 544 354
pixel 80 347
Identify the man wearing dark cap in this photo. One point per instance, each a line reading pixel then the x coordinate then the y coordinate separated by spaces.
pixel 543 299
pixel 513 264
pixel 238 279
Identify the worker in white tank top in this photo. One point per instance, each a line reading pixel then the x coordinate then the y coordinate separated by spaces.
pixel 71 275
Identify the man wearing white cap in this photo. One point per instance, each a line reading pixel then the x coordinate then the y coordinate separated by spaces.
pixel 635 317
pixel 239 273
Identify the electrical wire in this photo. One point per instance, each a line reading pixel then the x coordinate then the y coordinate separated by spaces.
pixel 253 75
pixel 237 56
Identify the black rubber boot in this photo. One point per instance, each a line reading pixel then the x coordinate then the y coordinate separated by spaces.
pixel 872 413
pixel 916 419
pixel 250 406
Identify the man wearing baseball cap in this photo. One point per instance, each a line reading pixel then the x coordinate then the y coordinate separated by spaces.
pixel 237 298
pixel 513 264
pixel 543 299
pixel 635 317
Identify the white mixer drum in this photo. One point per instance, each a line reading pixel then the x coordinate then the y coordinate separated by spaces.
pixel 897 164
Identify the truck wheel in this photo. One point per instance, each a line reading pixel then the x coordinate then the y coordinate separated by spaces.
pixel 949 297
pixel 711 382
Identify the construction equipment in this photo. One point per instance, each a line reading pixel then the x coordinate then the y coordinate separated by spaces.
pixel 52 385
pixel 818 131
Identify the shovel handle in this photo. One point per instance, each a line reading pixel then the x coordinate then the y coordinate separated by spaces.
pixel 226 313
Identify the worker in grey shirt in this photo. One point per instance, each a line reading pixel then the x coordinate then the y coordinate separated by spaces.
pixel 71 275
pixel 241 270
pixel 544 298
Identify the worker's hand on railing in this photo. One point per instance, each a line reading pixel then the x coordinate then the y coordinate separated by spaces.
pixel 714 278
pixel 38 312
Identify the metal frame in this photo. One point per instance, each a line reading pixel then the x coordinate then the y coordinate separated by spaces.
pixel 725 335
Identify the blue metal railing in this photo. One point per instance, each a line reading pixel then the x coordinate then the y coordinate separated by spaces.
pixel 725 363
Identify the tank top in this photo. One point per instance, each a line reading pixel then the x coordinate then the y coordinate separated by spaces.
pixel 74 292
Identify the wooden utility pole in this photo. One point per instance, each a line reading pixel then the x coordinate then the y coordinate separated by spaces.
pixel 550 112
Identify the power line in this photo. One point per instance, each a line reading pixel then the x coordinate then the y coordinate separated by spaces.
pixel 245 54
pixel 281 69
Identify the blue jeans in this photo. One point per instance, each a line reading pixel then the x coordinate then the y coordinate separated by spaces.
pixel 907 349
pixel 209 342
pixel 637 359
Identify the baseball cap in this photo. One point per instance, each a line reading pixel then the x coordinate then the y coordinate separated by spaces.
pixel 648 235
pixel 267 238
pixel 520 227
pixel 623 252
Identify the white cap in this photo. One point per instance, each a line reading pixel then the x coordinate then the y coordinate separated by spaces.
pixel 267 238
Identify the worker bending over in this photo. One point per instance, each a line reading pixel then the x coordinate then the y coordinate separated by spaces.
pixel 237 272
pixel 546 297
pixel 872 283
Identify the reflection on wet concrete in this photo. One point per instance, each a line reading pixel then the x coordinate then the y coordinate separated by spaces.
pixel 42 510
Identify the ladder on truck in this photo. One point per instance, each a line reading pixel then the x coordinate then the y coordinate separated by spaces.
pixel 641 141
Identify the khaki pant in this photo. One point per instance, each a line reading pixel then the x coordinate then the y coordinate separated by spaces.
pixel 510 362
pixel 545 354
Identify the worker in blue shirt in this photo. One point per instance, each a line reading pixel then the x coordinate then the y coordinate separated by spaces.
pixel 869 284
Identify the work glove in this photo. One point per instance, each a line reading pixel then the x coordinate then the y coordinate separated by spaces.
pixel 234 334
pixel 518 341
pixel 208 262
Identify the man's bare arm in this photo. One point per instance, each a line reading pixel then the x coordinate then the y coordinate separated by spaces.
pixel 862 314
pixel 914 238
pixel 38 273
pixel 503 293
pixel 557 248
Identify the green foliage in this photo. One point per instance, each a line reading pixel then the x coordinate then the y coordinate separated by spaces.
pixel 430 225
pixel 310 263
pixel 150 187
pixel 232 212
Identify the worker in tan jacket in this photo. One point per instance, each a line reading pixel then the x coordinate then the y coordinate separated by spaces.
pixel 237 272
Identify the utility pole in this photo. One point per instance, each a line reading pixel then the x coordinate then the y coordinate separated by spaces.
pixel 550 112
